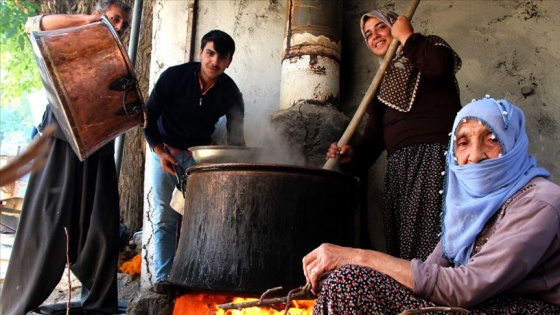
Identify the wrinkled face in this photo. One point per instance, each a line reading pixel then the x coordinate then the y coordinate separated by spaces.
pixel 378 36
pixel 118 18
pixel 212 63
pixel 475 142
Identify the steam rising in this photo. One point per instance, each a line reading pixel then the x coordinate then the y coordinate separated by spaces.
pixel 270 144
pixel 273 146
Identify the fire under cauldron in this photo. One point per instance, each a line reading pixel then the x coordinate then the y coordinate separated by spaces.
pixel 246 227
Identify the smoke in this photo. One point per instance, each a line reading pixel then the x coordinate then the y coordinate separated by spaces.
pixel 273 147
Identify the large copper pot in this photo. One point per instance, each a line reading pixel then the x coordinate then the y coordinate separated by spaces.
pixel 90 84
pixel 246 227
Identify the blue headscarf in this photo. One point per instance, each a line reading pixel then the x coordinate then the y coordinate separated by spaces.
pixel 475 192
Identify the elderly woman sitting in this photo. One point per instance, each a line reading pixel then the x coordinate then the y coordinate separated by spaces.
pixel 500 247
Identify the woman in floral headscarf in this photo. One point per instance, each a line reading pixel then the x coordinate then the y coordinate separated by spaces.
pixel 410 118
pixel 500 248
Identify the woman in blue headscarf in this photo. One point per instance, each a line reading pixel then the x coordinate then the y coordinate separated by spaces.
pixel 500 248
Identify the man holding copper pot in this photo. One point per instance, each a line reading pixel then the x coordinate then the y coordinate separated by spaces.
pixel 70 212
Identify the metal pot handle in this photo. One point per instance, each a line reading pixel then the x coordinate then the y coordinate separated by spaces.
pixel 183 182
pixel 180 175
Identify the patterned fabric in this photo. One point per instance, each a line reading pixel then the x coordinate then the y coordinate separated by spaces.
pixel 401 80
pixel 353 289
pixel 412 200
pixel 475 192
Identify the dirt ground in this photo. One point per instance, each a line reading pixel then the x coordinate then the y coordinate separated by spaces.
pixel 128 285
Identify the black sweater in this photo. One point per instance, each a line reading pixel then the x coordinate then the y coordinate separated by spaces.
pixel 180 116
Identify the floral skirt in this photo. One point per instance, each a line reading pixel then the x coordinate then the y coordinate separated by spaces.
pixel 412 202
pixel 354 290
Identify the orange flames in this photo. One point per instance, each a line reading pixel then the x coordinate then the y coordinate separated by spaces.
pixel 206 304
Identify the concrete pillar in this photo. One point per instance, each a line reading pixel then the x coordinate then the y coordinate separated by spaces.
pixel 311 53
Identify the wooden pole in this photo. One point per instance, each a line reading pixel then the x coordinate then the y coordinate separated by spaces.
pixel 362 109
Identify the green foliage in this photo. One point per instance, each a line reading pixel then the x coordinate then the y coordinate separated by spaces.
pixel 19 74
pixel 15 129
pixel 18 69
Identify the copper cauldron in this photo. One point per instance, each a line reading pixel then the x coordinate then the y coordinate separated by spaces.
pixel 90 84
pixel 246 227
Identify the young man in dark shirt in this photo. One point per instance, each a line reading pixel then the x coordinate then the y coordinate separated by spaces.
pixel 183 109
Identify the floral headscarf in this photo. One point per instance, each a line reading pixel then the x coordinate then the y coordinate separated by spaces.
pixel 475 192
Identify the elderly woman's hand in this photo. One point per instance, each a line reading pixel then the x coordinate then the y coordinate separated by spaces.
pixel 324 259
pixel 345 153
